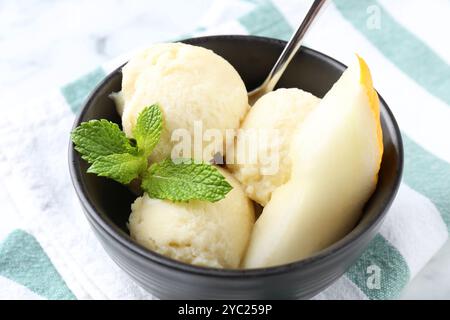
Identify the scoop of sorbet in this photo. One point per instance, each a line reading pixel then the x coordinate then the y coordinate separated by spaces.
pixel 193 86
pixel 276 115
pixel 196 232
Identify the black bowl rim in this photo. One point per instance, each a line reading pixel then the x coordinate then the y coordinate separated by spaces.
pixel 328 253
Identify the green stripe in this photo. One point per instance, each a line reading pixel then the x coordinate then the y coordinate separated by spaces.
pixel 76 92
pixel 24 261
pixel 401 47
pixel 393 270
pixel 428 175
pixel 266 21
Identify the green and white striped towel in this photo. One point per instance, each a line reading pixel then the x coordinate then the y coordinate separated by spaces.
pixel 49 251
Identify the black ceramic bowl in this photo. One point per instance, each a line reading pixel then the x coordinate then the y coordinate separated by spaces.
pixel 107 204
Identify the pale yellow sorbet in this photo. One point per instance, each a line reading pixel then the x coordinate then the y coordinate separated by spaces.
pixel 276 114
pixel 198 232
pixel 190 84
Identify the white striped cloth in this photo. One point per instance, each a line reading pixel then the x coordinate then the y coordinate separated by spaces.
pixel 48 251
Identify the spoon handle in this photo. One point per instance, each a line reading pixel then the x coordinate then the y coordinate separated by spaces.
pixel 291 48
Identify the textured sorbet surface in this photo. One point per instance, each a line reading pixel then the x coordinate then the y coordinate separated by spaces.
pixel 278 114
pixel 190 84
pixel 197 232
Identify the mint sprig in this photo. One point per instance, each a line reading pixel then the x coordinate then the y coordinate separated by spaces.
pixel 98 138
pixel 148 129
pixel 111 154
pixel 185 181
pixel 122 167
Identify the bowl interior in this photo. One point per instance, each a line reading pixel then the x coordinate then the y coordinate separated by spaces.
pixel 253 58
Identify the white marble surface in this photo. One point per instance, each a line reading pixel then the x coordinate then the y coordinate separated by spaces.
pixel 44 43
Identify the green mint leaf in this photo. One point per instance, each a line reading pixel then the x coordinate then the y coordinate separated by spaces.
pixel 99 138
pixel 122 167
pixel 185 181
pixel 148 129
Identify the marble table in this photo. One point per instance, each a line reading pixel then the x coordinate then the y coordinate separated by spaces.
pixel 46 42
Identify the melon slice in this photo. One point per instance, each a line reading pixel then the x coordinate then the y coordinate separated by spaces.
pixel 336 156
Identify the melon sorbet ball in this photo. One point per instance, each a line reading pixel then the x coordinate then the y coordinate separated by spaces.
pixel 279 112
pixel 190 84
pixel 196 232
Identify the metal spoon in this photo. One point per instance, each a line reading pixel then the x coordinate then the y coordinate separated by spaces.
pixel 288 53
